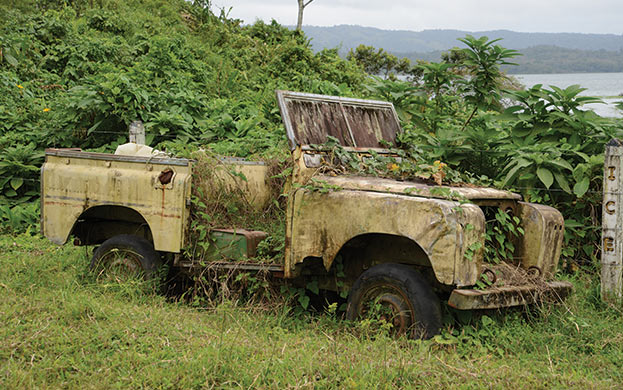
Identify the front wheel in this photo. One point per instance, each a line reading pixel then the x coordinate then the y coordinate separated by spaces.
pixel 124 257
pixel 398 295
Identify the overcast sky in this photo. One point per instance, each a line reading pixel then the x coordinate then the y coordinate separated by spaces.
pixel 596 16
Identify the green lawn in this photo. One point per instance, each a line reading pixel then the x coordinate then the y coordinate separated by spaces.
pixel 59 329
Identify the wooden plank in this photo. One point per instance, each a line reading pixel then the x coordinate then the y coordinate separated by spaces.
pixel 612 232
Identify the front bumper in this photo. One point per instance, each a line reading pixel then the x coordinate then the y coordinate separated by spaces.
pixel 498 297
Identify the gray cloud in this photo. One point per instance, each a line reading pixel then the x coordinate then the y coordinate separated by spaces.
pixel 598 16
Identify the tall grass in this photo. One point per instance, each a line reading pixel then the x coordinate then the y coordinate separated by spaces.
pixel 60 329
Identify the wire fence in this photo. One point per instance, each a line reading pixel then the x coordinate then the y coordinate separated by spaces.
pixel 453 148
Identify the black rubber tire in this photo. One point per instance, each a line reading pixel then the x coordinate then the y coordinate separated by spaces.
pixel 137 255
pixel 402 287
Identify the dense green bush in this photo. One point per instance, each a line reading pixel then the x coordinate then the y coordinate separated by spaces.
pixel 75 74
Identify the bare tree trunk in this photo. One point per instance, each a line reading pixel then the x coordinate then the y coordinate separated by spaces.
pixel 302 5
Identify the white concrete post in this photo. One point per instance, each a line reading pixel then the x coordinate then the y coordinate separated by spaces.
pixel 137 132
pixel 612 223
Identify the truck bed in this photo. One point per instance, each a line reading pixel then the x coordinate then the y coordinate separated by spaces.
pixel 147 193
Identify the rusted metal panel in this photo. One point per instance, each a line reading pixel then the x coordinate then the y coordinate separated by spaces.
pixel 322 223
pixel 377 184
pixel 309 119
pixel 245 266
pixel 251 178
pixel 539 248
pixel 494 298
pixel 74 181
pixel 79 154
pixel 243 243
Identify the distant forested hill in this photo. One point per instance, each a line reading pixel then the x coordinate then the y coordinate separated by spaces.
pixel 548 59
pixel 542 52
pixel 431 40
pixel 553 59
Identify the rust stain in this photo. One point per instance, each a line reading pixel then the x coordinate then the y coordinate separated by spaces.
pixel 287 244
pixel 163 202
pixel 170 216
pixel 60 204
pixel 52 203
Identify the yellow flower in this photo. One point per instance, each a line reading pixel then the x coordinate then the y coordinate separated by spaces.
pixel 46 109
pixel 20 86
pixel 439 165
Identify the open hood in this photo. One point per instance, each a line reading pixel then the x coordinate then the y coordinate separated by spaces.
pixel 309 119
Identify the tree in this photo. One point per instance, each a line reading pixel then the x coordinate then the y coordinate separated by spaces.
pixel 378 61
pixel 483 59
pixel 302 5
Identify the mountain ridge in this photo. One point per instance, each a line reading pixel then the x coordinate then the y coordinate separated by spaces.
pixel 350 36
pixel 541 52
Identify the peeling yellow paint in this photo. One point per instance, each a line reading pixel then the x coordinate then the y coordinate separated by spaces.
pixel 74 182
pixel 318 224
pixel 323 223
pixel 540 247
pixel 251 178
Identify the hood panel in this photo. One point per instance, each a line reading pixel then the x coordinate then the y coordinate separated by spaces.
pixel 376 184
pixel 309 119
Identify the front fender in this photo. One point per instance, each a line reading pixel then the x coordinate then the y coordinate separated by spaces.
pixel 321 223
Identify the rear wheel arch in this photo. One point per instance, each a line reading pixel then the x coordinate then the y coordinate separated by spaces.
pixel 100 223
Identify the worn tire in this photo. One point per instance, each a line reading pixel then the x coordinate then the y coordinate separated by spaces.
pixel 132 254
pixel 414 308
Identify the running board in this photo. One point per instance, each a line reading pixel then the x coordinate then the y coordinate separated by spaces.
pixel 275 269
pixel 499 297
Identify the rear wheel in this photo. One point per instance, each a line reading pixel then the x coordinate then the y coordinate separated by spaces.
pixel 399 296
pixel 125 257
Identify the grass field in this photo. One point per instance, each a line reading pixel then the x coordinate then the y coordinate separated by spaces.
pixel 60 329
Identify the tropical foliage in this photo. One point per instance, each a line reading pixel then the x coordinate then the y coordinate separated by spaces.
pixel 538 141
pixel 75 74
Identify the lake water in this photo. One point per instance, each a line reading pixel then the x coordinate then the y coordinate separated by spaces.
pixel 607 86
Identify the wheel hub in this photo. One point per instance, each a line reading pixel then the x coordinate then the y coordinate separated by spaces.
pixel 120 264
pixel 388 305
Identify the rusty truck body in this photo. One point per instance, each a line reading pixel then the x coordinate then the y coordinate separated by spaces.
pixel 402 244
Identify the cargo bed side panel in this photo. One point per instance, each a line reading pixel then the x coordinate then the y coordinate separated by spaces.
pixel 73 183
